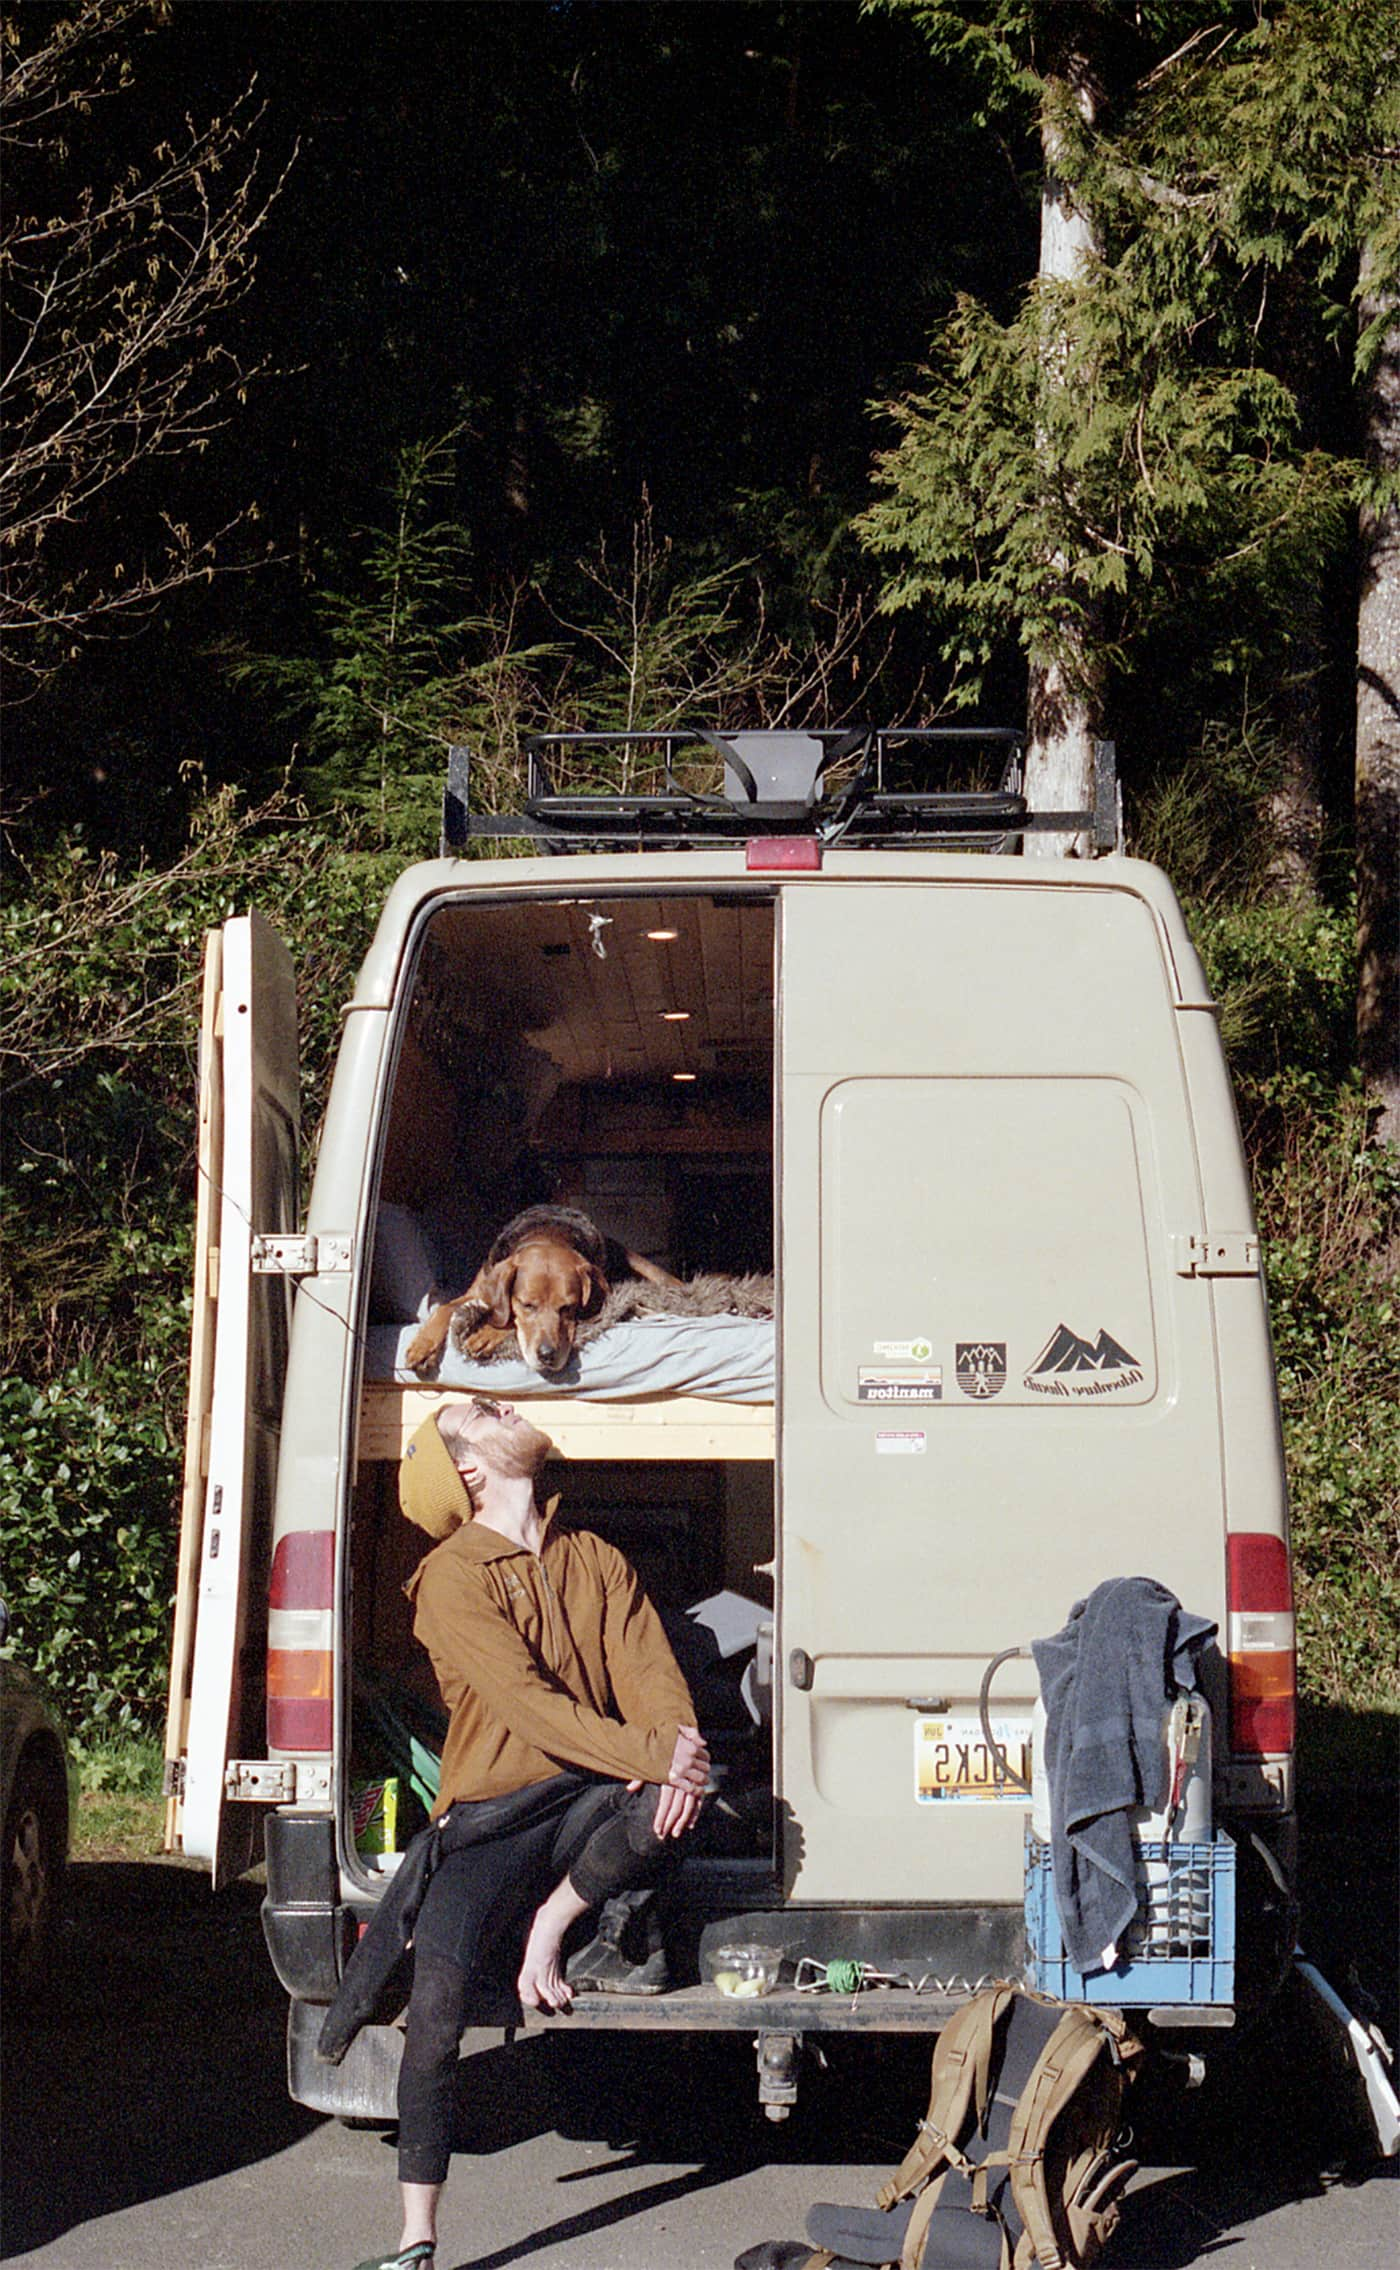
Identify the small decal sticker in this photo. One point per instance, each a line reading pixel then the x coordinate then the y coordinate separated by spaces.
pixel 1069 1365
pixel 904 1351
pixel 981 1368
pixel 900 1383
pixel 909 1442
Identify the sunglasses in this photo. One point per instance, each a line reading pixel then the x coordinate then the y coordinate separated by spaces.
pixel 486 1406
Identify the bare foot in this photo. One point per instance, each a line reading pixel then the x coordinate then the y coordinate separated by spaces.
pixel 542 1984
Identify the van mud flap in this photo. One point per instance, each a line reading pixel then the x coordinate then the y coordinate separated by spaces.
pixel 364 2086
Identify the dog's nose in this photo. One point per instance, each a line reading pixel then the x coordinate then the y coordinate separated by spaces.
pixel 547 1351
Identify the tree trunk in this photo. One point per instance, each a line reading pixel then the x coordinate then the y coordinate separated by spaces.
pixel 1293 809
pixel 1378 747
pixel 1064 707
pixel 1293 812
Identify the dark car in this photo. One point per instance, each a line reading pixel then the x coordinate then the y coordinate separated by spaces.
pixel 34 1808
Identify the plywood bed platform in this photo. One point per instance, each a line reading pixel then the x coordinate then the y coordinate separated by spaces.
pixel 648 1427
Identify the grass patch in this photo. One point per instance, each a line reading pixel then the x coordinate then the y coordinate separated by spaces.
pixel 120 1812
pixel 113 1824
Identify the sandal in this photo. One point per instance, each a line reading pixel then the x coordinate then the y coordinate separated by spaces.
pixel 419 2256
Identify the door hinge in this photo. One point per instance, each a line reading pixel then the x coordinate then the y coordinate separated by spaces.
pixel 1236 1254
pixel 172 1781
pixel 326 1254
pixel 277 1781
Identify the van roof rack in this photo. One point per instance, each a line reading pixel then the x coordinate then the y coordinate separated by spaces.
pixel 849 785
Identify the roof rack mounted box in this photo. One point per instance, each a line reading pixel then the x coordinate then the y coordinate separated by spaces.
pixel 833 784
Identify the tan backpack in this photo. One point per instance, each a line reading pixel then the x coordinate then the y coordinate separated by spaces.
pixel 1059 2162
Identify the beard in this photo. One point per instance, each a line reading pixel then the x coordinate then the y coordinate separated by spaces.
pixel 516 1452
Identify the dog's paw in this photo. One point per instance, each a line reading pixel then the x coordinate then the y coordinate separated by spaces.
pixel 486 1341
pixel 423 1353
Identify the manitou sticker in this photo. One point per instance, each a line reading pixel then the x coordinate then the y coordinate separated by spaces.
pixel 1069 1366
pixel 900 1383
pixel 980 1368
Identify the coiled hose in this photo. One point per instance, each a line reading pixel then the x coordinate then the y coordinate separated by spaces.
pixel 1005 1771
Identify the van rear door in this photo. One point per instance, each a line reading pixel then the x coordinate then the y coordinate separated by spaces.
pixel 248 1165
pixel 993 1393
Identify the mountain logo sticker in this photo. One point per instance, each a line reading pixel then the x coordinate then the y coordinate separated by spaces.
pixel 981 1368
pixel 1070 1366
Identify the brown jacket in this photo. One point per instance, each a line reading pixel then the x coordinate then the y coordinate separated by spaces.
pixel 544 1661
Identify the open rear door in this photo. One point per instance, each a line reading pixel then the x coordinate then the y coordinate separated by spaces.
pixel 248 1144
pixel 209 1175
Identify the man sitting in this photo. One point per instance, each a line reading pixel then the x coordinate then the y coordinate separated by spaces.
pixel 572 1761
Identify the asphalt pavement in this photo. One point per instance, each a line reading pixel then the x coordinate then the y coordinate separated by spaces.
pixel 147 2125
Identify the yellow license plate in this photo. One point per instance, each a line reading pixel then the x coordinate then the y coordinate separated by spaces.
pixel 953 1764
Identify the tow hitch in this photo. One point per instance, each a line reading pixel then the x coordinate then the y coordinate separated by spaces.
pixel 777 2056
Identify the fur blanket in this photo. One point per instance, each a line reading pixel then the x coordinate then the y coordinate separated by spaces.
pixel 633 1297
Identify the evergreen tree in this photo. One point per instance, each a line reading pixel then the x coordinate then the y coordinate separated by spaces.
pixel 1022 543
pixel 1135 447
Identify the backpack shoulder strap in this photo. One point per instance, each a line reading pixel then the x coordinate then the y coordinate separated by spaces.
pixel 961 2080
pixel 913 2253
pixel 1077 2042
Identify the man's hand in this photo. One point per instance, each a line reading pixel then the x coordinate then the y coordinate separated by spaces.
pixel 679 1798
pixel 690 1760
pixel 676 1811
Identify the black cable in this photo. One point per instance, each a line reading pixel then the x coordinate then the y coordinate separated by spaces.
pixel 1005 1771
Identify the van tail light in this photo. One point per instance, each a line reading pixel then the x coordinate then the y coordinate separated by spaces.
pixel 300 1663
pixel 1263 1669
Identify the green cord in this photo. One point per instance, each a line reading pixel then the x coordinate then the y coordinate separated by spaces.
pixel 843 1977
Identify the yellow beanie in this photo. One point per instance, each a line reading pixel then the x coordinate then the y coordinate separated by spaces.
pixel 431 1491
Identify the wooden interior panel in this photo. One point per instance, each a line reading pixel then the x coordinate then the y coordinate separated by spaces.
pixel 657 1426
pixel 582 981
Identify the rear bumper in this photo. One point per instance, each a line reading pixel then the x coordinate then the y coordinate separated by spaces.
pixel 937 1955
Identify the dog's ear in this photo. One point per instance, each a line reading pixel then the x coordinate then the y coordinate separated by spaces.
pixel 595 1289
pixel 497 1288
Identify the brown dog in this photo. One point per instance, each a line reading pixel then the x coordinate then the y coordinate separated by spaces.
pixel 544 1274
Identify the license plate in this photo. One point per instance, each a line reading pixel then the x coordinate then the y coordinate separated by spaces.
pixel 953 1765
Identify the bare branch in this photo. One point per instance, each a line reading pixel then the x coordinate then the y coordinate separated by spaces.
pixel 115 294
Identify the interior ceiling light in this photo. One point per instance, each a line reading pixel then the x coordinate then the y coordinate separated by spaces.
pixel 660 934
pixel 675 1016
pixel 682 1075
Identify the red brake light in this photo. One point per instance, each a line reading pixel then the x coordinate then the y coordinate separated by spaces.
pixel 783 854
pixel 300 1657
pixel 1263 1670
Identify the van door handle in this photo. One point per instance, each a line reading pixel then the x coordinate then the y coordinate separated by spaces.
pixel 926 1704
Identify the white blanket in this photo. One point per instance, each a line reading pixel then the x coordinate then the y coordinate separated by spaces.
pixel 727 1357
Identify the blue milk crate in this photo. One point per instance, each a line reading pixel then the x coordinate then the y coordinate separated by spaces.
pixel 1179 1948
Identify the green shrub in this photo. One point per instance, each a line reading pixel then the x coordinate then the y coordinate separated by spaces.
pixel 1329 1215
pixel 113 1765
pixel 1329 1211
pixel 100 973
pixel 86 1523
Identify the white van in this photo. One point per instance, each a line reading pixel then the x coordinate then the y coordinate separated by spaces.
pixel 972 1109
